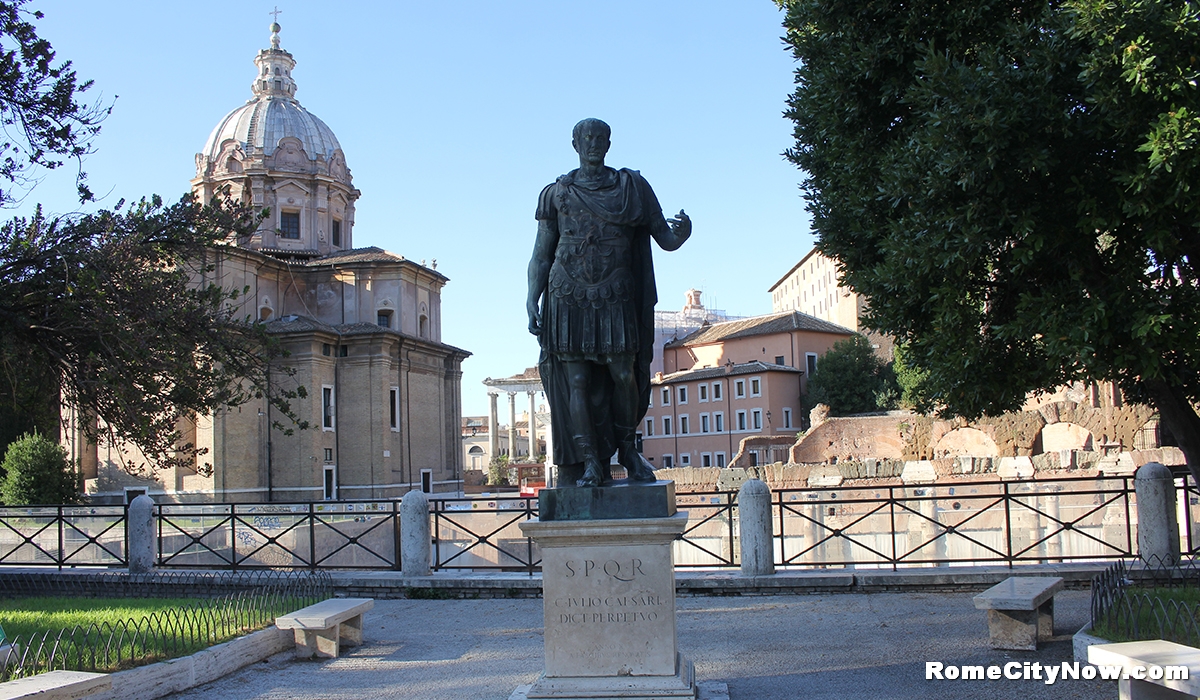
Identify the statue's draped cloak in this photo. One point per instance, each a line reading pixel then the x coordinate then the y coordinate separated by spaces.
pixel 630 204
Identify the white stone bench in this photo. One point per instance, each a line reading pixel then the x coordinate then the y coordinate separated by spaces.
pixel 1139 657
pixel 56 685
pixel 1020 611
pixel 321 628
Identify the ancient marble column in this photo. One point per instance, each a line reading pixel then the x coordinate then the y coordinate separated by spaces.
pixel 533 439
pixel 512 426
pixel 493 428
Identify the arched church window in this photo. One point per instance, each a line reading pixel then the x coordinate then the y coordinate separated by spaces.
pixel 423 326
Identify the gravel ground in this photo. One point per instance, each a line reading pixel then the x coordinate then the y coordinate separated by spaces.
pixel 837 646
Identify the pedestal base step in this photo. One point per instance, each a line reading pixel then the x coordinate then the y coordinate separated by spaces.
pixel 681 686
pixel 707 690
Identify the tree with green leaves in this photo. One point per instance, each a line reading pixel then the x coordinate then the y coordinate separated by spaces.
pixel 45 121
pixel 118 316
pixel 497 473
pixel 910 380
pixel 1012 184
pixel 37 472
pixel 850 378
pixel 115 314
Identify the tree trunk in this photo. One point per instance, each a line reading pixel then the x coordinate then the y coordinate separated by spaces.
pixel 1178 414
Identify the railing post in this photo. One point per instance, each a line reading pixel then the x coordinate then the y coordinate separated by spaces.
pixel 1187 545
pixel 312 536
pixel 892 516
pixel 754 520
pixel 158 529
pixel 1008 553
pixel 233 542
pixel 782 532
pixel 142 535
pixel 1158 527
pixel 396 535
pixel 529 540
pixel 414 529
pixel 62 526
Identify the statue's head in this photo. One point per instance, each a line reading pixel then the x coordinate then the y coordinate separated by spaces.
pixel 590 138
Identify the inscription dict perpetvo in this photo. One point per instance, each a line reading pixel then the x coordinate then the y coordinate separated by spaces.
pixel 612 608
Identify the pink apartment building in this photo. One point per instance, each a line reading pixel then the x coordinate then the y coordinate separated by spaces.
pixel 729 381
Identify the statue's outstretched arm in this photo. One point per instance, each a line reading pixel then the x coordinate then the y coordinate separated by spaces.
pixel 671 233
pixel 539 272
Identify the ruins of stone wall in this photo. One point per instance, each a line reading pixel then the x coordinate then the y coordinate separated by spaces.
pixel 1108 425
pixel 909 436
pixel 875 472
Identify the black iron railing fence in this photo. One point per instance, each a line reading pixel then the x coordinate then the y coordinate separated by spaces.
pixel 1189 494
pixel 982 522
pixel 474 533
pixel 253 602
pixel 63 536
pixel 309 535
pixel 863 526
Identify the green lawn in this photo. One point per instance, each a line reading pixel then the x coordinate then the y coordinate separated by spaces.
pixel 22 617
pixel 1147 623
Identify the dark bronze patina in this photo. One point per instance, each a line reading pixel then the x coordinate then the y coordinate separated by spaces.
pixel 591 305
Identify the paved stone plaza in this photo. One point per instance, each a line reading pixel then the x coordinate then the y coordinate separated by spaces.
pixel 836 646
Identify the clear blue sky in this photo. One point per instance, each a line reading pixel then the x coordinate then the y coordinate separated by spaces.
pixel 454 115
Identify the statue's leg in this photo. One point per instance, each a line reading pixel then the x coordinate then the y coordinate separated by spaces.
pixel 626 397
pixel 581 423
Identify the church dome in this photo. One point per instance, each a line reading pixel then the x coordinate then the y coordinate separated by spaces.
pixel 258 127
pixel 275 156
pixel 260 124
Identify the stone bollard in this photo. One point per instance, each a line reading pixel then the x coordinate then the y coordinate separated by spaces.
pixel 754 515
pixel 414 534
pixel 143 536
pixel 1158 528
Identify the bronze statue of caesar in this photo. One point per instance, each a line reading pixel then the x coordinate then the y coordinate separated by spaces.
pixel 591 305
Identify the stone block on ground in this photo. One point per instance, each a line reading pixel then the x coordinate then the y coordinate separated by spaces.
pixel 919 472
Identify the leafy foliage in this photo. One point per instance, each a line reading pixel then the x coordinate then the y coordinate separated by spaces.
pixel 44 122
pixel 498 471
pixel 118 314
pixel 850 378
pixel 115 314
pixel 910 381
pixel 1011 184
pixel 37 472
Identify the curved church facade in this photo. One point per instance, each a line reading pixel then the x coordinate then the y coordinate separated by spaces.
pixel 362 327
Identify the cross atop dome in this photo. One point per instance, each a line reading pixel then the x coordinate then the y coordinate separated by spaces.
pixel 275 27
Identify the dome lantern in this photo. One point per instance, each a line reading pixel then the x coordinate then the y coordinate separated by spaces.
pixel 274 70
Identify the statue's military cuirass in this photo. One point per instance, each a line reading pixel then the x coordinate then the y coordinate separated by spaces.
pixel 592 263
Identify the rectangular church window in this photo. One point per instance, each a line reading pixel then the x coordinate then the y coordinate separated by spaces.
pixel 327 407
pixel 337 233
pixel 289 224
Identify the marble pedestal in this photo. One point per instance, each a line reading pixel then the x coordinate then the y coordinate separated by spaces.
pixel 608 591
